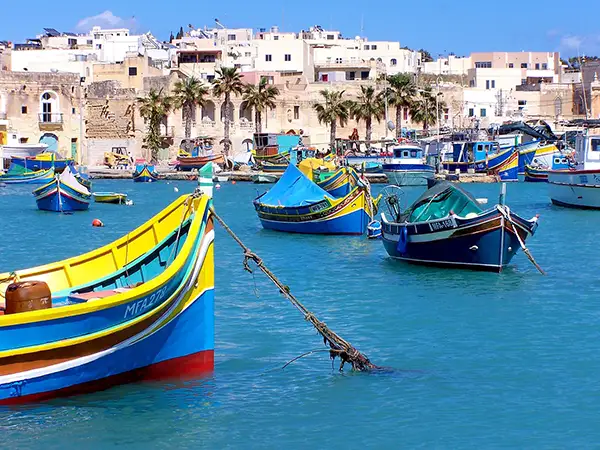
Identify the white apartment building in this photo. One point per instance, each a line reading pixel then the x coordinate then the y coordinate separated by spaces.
pixel 450 65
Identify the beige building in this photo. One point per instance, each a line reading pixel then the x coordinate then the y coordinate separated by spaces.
pixel 43 107
pixel 129 74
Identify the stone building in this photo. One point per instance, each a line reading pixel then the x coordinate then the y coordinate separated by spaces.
pixel 43 107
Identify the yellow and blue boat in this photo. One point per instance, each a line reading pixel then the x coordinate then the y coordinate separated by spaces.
pixel 145 173
pixel 141 307
pixel 341 182
pixel 298 205
pixel 110 197
pixel 43 161
pixel 509 169
pixel 63 194
pixel 18 175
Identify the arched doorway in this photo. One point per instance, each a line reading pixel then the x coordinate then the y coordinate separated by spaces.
pixel 245 112
pixel 51 140
pixel 208 111
pixel 230 112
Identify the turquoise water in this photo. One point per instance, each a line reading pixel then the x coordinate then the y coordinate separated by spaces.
pixel 481 360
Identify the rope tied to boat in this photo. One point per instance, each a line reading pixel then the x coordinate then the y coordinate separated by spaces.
pixel 505 211
pixel 338 347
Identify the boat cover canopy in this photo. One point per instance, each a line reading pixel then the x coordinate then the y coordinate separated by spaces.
pixel 293 189
pixel 438 201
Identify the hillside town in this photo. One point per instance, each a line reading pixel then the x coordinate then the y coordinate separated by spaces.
pixel 82 94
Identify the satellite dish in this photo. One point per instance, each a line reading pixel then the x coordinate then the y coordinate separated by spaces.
pixel 390 125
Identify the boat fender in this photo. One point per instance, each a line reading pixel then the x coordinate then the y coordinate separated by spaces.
pixel 97 223
pixel 402 241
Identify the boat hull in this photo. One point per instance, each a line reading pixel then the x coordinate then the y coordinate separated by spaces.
pixel 38 177
pixel 533 175
pixel 37 164
pixel 198 162
pixel 485 243
pixel 575 188
pixel 145 174
pixel 264 178
pixel 59 197
pixel 109 197
pixel 399 175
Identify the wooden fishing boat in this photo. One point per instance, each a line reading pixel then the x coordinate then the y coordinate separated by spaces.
pixel 539 173
pixel 141 307
pixel 297 205
pixel 25 177
pixel 407 166
pixel 110 197
pixel 276 167
pixel 509 169
pixel 340 183
pixel 145 173
pixel 197 162
pixel 43 161
pixel 63 194
pixel 447 227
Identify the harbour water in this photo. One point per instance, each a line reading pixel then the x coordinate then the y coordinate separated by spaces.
pixel 478 359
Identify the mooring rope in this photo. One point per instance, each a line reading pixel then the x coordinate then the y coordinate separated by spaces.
pixel 338 347
pixel 505 211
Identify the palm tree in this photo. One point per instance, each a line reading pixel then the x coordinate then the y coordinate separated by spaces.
pixel 186 95
pixel 401 93
pixel 425 109
pixel 228 82
pixel 368 106
pixel 154 108
pixel 334 109
pixel 260 98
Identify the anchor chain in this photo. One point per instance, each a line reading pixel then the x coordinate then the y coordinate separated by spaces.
pixel 338 347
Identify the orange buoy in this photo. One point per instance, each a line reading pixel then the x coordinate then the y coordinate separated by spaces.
pixel 233 182
pixel 97 223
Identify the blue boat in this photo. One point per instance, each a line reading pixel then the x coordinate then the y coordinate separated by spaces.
pixel 407 166
pixel 63 194
pixel 43 161
pixel 509 169
pixel 298 205
pixel 468 155
pixel 447 227
pixel 18 175
pixel 145 173
pixel 539 173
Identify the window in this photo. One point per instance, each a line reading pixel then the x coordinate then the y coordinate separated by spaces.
pixel 72 110
pixel 483 65
pixel 247 54
pixel 405 154
pixel 338 60
pixel 237 66
pixel 393 62
pixel 544 66
pixel 275 38
pixel 482 112
pixel 268 57
pixel 413 153
pixel 522 102
pixel 595 144
pixel 523 81
pixel 405 113
pixel 523 65
pixel 296 112
pixel 231 37
pixel 330 37
pixel 132 71
pixel 537 66
pixel 446 114
pixel 288 57
pixel 511 65
pixel 90 42
pixel 364 75
pixel 487 84
pixel 367 47
pixel 471 112
pixel 23 109
pixel 350 76
pixel 471 83
pixel 23 140
pixel 98 46
pixel 373 47
pixel 493 84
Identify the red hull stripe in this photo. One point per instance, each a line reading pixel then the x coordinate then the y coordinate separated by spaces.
pixel 185 367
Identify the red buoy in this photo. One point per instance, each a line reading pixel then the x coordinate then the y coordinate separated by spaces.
pixel 97 223
pixel 233 182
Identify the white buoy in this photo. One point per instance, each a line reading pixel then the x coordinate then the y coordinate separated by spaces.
pixel 176 189
pixel 217 186
pixel 482 201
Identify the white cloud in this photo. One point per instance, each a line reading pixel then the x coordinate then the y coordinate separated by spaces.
pixel 570 42
pixel 105 20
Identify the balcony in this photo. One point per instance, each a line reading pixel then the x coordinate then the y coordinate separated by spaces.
pixel 50 121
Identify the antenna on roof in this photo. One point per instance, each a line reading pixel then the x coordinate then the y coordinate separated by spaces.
pixel 219 23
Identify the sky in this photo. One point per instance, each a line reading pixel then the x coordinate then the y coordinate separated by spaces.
pixel 441 27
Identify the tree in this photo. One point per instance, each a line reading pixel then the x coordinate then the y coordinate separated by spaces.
pixel 368 106
pixel 154 108
pixel 260 97
pixel 401 93
pixel 425 109
pixel 187 94
pixel 228 82
pixel 180 33
pixel 425 56
pixel 334 109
